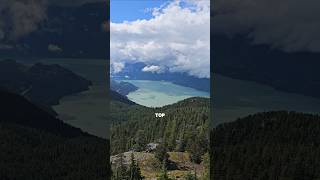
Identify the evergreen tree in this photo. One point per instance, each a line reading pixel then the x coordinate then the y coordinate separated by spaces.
pixel 135 173
pixel 190 176
pixel 206 163
pixel 121 171
pixel 161 154
pixel 140 141
pixel 164 174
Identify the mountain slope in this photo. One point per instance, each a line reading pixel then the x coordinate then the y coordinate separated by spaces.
pixel 123 88
pixel 134 126
pixel 239 58
pixel 271 145
pixel 44 84
pixel 35 145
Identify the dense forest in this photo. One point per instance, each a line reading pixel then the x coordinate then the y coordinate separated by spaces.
pixel 160 143
pixel 272 145
pixel 184 124
pixel 35 145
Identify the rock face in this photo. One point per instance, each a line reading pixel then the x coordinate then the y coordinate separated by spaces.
pixel 41 83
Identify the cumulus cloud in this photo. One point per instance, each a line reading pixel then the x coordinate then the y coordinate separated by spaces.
pixel 291 25
pixel 20 17
pixel 54 48
pixel 153 69
pixel 116 67
pixel 177 37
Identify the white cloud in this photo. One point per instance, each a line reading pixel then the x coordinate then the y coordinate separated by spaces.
pixel 54 48
pixel 291 25
pixel 19 18
pixel 116 67
pixel 177 37
pixel 153 69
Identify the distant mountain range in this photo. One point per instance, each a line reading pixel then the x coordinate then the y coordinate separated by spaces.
pixel 294 72
pixel 134 72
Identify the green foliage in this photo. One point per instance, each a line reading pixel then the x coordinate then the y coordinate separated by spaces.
pixel 161 154
pixel 134 170
pixel 164 174
pixel 184 124
pixel 271 145
pixel 198 148
pixel 190 176
pixel 121 171
pixel 32 154
pixel 140 141
pixel 206 163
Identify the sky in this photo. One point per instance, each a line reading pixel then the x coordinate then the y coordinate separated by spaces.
pixel 169 36
pixel 129 10
pixel 289 25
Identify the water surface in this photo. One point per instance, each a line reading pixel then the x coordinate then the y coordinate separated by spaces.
pixel 161 93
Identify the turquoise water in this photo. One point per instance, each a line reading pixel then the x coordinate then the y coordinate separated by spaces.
pixel 161 93
pixel 232 98
pixel 235 98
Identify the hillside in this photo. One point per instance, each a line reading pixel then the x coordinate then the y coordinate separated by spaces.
pixel 118 98
pixel 44 84
pixel 123 88
pixel 271 145
pixel 35 145
pixel 160 143
pixel 238 57
pixel 184 121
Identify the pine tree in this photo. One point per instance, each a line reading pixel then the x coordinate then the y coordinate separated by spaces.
pixel 164 174
pixel 121 171
pixel 190 176
pixel 135 173
pixel 161 154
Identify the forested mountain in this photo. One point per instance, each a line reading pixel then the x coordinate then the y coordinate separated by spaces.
pixel 44 84
pixel 123 88
pixel 183 128
pixel 35 145
pixel 175 145
pixel 116 97
pixel 270 145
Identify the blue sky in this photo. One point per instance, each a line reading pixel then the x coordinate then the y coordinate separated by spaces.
pixel 163 43
pixel 129 10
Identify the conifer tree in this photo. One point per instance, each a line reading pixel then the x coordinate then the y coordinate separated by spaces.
pixel 135 173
